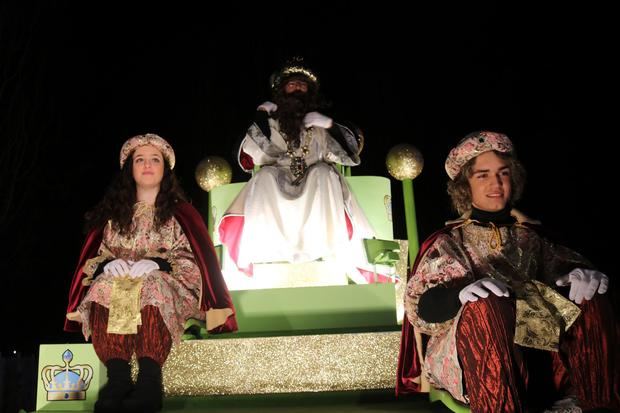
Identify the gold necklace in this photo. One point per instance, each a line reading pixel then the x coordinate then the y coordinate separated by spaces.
pixel 298 163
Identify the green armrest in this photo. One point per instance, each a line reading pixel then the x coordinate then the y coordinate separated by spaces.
pixel 387 258
pixel 381 251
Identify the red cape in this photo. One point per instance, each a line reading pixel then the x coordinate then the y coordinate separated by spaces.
pixel 214 291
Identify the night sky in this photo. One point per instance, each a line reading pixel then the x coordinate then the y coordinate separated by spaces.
pixel 76 82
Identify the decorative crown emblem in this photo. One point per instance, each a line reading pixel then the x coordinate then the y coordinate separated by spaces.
pixel 67 382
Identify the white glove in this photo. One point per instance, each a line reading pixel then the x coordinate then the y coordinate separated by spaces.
pixel 481 288
pixel 584 284
pixel 268 107
pixel 143 267
pixel 117 268
pixel 316 119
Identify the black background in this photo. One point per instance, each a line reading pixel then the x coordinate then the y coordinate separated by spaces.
pixel 76 81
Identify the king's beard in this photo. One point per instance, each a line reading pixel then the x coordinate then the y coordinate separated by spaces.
pixel 290 114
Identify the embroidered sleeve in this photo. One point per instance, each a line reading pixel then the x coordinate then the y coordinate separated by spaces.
pixel 341 146
pixel 259 147
pixel 444 265
pixel 183 262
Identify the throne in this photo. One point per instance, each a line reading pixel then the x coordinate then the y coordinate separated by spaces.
pixel 374 196
pixel 317 295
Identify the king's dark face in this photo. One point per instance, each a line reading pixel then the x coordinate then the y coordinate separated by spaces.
pixel 295 85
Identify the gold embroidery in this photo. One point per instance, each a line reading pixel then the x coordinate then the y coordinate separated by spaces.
pixel 144 208
pixel 142 225
pixel 176 268
pixel 542 315
pixel 157 254
pixel 494 240
pixel 124 316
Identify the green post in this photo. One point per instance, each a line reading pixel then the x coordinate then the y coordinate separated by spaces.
pixel 410 219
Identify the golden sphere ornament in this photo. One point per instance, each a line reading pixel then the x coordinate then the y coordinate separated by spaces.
pixel 404 161
pixel 213 171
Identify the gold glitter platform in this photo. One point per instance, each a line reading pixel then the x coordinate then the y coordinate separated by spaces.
pixel 289 364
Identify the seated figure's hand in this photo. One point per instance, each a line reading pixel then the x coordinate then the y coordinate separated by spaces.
pixel 268 107
pixel 317 119
pixel 117 268
pixel 480 289
pixel 143 267
pixel 584 284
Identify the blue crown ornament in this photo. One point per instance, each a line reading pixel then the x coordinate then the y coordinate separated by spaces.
pixel 67 382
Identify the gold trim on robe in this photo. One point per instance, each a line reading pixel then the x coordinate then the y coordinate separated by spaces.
pixel 91 266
